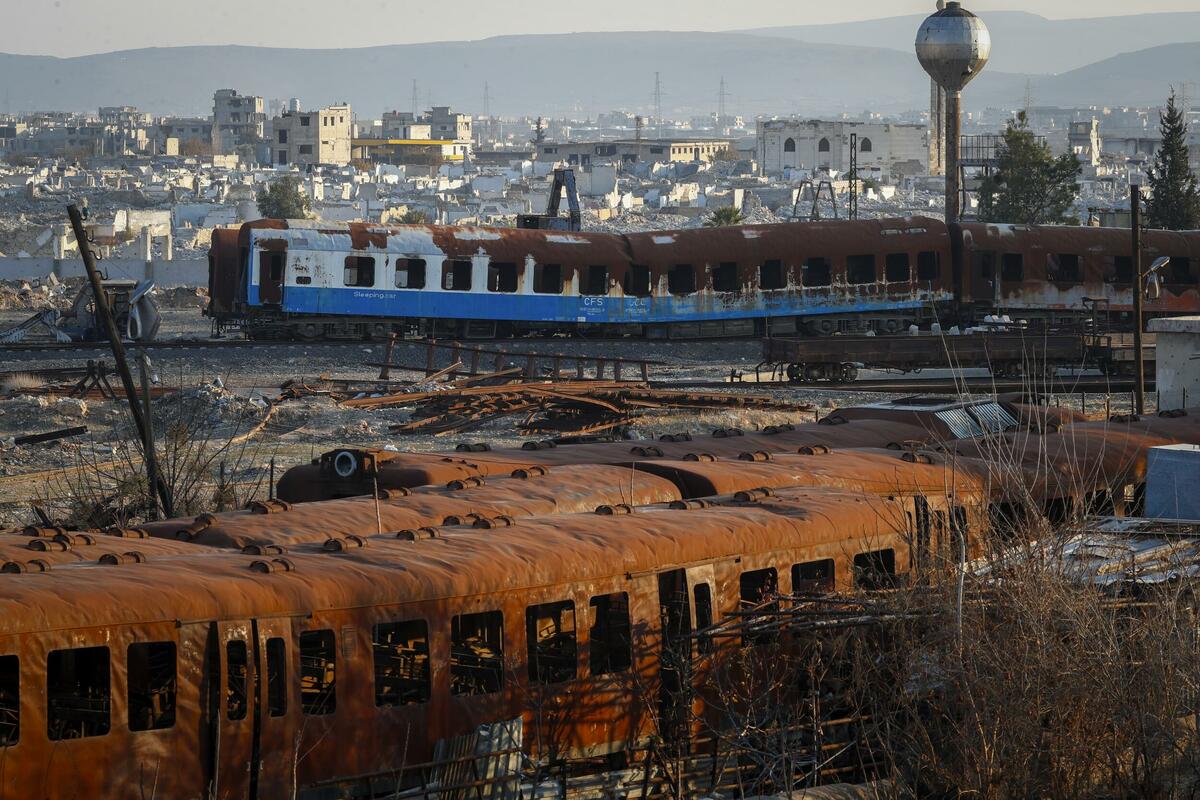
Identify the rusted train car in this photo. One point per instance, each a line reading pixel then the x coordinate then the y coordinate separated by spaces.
pixel 308 280
pixel 184 667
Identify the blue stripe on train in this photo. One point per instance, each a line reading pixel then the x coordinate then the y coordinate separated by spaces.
pixel 553 308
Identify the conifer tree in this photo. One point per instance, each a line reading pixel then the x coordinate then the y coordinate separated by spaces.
pixel 1174 203
pixel 1030 186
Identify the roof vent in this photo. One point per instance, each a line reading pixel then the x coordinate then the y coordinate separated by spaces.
pixel 44 533
pixel 274 565
pixel 116 559
pixel 699 457
pixel 499 521
pixel 465 483
pixel 264 550
pixel 1125 418
pixel 341 545
pixel 269 506
pixel 676 437
pixel 813 450
pixel 126 533
pixel 1174 413
pixel 689 505
pixel 913 457
pixel 418 534
pixel 469 518
pixel 772 430
pixel 56 544
pixel 648 451
pixel 614 510
pixel 393 493
pixel 76 539
pixel 525 473
pixel 21 567
pixel 201 523
pixel 473 447
pixel 545 444
pixel 753 495
pixel 757 455
pixel 727 433
pixel 832 420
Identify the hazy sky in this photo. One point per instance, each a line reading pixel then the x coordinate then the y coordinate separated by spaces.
pixel 76 27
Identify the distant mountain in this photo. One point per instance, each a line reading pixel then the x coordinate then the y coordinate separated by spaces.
pixel 585 73
pixel 1021 42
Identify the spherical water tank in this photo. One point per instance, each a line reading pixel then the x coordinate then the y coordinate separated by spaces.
pixel 953 45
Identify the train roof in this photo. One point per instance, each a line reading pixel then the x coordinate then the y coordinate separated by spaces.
pixel 543 551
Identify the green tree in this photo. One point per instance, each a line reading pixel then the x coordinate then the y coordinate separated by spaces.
pixel 412 217
pixel 1174 202
pixel 1030 186
pixel 725 215
pixel 284 198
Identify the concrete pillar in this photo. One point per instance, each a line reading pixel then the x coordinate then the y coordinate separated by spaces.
pixel 169 246
pixel 147 242
pixel 60 242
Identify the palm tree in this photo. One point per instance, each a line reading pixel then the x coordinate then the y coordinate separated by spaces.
pixel 725 215
pixel 413 217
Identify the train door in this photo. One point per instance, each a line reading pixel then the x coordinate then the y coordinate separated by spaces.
pixel 271 266
pixel 675 696
pixel 232 710
pixel 277 709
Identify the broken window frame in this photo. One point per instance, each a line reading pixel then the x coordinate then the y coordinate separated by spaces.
pixel 610 634
pixel 893 271
pixel 359 272
pixel 725 277
pixel 1012 267
pixel 639 281
pixel 875 569
pixel 814 577
pixel 543 272
pixel 318 672
pixel 237 685
pixel 149 687
pixel 406 655
pixel 929 266
pixel 456 274
pixel 414 272
pixel 552 657
pixel 754 585
pixel 681 280
pixel 90 703
pixel 276 651
pixel 592 278
pixel 772 276
pixel 10 700
pixel 502 277
pixel 473 674
pixel 857 266
pixel 816 272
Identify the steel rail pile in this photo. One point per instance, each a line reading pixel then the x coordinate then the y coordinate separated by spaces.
pixel 565 407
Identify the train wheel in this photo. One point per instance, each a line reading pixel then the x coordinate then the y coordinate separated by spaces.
pixel 813 373
pixel 849 373
pixel 308 333
pixel 892 325
pixel 824 327
pixel 793 372
pixel 378 332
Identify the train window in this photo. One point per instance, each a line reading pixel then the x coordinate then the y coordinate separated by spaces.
pixel 959 531
pixel 609 640
pixel 410 273
pixel 550 637
pixel 502 277
pixel 860 269
pixel 151 674
pixel 401 662
pixel 755 586
pixel 318 672
pixel 771 276
pixel 817 272
pixel 548 278
pixel 456 276
pixel 595 280
pixel 1012 267
pixel 725 277
pixel 77 693
pixel 637 281
pixel 1063 268
pixel 477 653
pixel 813 576
pixel 896 268
pixel 681 279
pixel 875 569
pixel 1180 270
pixel 276 677
pixel 929 266
pixel 704 615
pixel 236 700
pixel 360 271
pixel 10 700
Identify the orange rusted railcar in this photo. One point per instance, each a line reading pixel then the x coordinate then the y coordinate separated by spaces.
pixel 226 675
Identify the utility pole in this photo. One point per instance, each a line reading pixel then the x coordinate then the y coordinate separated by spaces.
pixel 852 210
pixel 415 101
pixel 114 339
pixel 721 96
pixel 658 104
pixel 1135 223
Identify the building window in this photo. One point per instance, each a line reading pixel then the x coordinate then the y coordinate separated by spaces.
pixel 813 576
pixel 725 277
pixel 929 268
pixel 77 693
pixel 276 677
pixel 151 673
pixel 477 653
pixel 550 636
pixel 681 279
pixel 771 276
pixel 609 641
pixel 410 273
pixel 305 121
pixel 502 277
pixel 596 282
pixel 401 662
pixel 875 570
pixel 817 272
pixel 860 269
pixel 10 700
pixel 360 271
pixel 456 276
pixel 547 279
pixel 823 146
pixel 1012 267
pixel 306 149
pixel 864 145
pixel 637 281
pixel 318 672
pixel 789 145
pixel 282 135
pixel 896 268
pixel 283 159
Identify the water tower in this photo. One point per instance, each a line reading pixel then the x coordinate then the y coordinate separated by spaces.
pixel 953 45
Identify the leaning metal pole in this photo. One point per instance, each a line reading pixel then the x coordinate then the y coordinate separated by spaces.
pixel 114 338
pixel 1135 223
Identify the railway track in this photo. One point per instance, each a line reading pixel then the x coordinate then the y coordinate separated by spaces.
pixel 1091 384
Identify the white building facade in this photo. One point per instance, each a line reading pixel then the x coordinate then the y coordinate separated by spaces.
pixel 888 151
